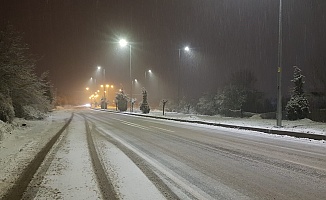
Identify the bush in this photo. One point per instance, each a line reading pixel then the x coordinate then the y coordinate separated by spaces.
pixel 206 105
pixel 31 113
pixel 297 108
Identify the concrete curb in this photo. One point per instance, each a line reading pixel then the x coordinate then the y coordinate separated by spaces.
pixel 264 130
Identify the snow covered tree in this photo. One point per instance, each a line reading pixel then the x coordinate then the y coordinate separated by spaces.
pixel 18 80
pixel 122 100
pixel 207 105
pixel 144 107
pixel 231 100
pixel 186 106
pixel 7 112
pixel 298 106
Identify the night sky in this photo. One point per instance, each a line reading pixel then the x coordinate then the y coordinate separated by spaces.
pixel 73 37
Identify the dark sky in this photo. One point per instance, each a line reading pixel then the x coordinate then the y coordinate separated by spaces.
pixel 72 37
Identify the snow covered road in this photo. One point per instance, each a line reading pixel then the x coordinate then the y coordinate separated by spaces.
pixel 104 155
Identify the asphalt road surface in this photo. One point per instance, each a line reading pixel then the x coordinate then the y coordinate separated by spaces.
pixel 204 162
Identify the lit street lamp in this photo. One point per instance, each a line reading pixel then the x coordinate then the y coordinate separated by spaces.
pixel 124 43
pixel 185 49
pixel 148 71
pixel 102 86
pixel 99 68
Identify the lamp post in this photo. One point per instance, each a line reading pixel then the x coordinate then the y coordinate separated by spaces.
pixel 124 43
pixel 99 68
pixel 279 69
pixel 185 49
pixel 147 71
pixel 93 83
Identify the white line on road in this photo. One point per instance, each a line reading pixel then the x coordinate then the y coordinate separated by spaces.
pixel 163 129
pixel 133 124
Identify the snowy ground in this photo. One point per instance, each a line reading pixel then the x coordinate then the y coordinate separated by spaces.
pixel 303 126
pixel 20 142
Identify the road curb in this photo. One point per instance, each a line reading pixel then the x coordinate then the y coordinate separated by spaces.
pixel 264 130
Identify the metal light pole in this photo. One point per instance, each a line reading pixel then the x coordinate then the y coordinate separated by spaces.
pixel 179 79
pixel 99 68
pixel 131 100
pixel 149 71
pixel 279 69
pixel 186 49
pixel 123 43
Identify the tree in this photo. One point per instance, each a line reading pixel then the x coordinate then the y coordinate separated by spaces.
pixel 239 95
pixel 186 106
pixel 207 105
pixel 18 80
pixel 231 100
pixel 298 106
pixel 144 107
pixel 7 112
pixel 121 99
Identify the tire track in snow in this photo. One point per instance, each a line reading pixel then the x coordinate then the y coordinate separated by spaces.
pixel 17 191
pixel 105 185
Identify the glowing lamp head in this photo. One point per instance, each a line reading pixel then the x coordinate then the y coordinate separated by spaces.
pixel 123 42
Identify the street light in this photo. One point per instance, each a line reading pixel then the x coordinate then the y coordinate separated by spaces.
pixel 186 48
pixel 102 86
pixel 124 43
pixel 148 71
pixel 279 69
pixel 99 68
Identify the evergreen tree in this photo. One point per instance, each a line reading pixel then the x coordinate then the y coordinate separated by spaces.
pixel 144 107
pixel 298 106
pixel 122 100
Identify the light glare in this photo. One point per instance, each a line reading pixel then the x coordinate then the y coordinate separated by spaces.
pixel 123 42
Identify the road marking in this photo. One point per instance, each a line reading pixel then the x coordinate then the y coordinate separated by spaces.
pixel 163 129
pixel 134 125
